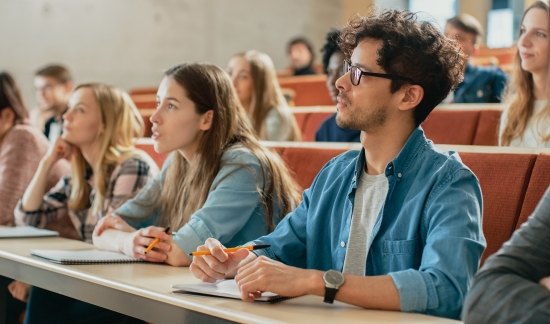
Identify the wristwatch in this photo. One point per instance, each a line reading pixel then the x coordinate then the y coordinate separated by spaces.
pixel 333 280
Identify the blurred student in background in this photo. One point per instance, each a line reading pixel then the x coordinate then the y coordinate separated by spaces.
pixel 333 64
pixel 219 181
pixel 482 84
pixel 21 148
pixel 53 85
pixel 98 132
pixel 301 56
pixel 526 120
pixel 255 80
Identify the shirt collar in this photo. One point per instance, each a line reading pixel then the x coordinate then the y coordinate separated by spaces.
pixel 402 161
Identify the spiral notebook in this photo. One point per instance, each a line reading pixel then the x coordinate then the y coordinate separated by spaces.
pixel 83 257
pixel 223 288
pixel 25 232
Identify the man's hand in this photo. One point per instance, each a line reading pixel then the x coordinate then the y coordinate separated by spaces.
pixel 545 282
pixel 19 290
pixel 219 265
pixel 136 243
pixel 112 222
pixel 264 274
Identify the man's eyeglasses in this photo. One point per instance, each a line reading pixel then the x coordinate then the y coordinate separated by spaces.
pixel 356 73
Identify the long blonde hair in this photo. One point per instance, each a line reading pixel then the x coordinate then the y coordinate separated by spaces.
pixel 122 122
pixel 186 186
pixel 267 95
pixel 520 95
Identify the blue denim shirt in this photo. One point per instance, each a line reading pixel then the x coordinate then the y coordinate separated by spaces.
pixel 233 212
pixel 427 237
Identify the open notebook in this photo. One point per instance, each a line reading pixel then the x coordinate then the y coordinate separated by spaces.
pixel 25 232
pixel 83 257
pixel 223 288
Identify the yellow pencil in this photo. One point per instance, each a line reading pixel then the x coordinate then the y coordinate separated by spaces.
pixel 152 245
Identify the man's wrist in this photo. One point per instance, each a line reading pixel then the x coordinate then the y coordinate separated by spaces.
pixel 315 283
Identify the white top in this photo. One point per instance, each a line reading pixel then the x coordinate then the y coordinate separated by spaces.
pixel 369 199
pixel 537 127
pixel 278 126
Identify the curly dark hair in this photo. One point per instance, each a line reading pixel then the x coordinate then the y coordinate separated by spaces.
pixel 412 49
pixel 330 47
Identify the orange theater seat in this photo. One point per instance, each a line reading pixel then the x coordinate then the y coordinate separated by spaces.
pixel 540 181
pixel 311 90
pixel 487 127
pixel 452 126
pixel 503 179
pixel 305 162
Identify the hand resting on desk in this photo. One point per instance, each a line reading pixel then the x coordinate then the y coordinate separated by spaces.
pixel 254 274
pixel 112 233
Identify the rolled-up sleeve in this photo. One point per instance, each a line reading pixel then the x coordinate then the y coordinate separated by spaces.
pixel 452 252
pixel 507 289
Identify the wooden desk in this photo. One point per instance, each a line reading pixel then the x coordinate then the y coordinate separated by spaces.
pixel 143 291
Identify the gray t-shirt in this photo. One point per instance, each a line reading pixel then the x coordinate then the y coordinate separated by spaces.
pixel 369 199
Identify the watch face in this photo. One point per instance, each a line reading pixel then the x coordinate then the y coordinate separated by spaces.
pixel 334 278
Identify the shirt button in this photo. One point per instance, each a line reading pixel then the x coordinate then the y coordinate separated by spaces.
pixel 342 244
pixel 353 179
pixel 399 175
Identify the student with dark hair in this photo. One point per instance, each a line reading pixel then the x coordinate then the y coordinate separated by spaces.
pixel 21 148
pixel 482 84
pixel 53 85
pixel 333 64
pixel 395 226
pixel 513 286
pixel 301 55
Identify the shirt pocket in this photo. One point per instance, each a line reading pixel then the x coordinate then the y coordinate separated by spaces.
pixel 401 255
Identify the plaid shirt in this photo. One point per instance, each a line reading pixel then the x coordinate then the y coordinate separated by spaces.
pixel 127 178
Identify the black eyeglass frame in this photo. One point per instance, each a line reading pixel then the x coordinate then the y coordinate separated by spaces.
pixel 348 67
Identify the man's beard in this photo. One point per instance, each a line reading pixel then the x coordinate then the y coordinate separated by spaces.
pixel 362 119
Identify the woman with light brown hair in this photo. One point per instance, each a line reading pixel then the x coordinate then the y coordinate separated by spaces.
pixel 526 121
pixel 98 132
pixel 218 182
pixel 255 80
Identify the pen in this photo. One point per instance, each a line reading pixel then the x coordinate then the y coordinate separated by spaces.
pixel 250 247
pixel 152 245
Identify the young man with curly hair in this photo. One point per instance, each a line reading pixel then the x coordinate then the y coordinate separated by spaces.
pixel 395 226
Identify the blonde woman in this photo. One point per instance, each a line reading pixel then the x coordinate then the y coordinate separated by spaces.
pixel 526 121
pixel 219 181
pixel 255 81
pixel 98 132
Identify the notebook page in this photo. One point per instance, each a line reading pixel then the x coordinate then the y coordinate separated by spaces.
pixel 223 288
pixel 89 256
pixel 26 231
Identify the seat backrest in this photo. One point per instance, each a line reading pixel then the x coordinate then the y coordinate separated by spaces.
pixel 503 179
pixel 487 127
pixel 539 182
pixel 305 163
pixel 311 90
pixel 452 126
pixel 312 124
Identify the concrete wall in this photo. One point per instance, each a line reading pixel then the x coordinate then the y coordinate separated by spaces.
pixel 129 42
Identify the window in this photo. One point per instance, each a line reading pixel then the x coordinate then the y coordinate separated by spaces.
pixel 437 12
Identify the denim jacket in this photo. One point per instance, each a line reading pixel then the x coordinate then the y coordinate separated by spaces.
pixel 233 212
pixel 427 237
